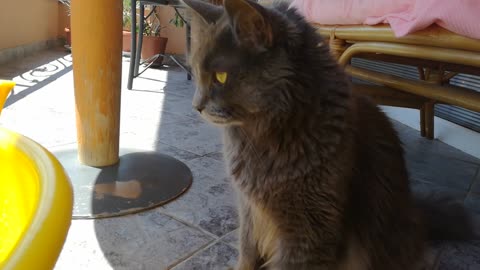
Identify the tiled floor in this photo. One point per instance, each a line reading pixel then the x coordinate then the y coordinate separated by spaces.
pixel 198 230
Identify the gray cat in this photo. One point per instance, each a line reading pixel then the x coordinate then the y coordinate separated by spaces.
pixel 319 171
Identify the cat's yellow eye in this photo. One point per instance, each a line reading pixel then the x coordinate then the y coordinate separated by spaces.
pixel 221 77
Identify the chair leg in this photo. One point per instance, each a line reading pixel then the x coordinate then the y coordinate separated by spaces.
pixel 429 108
pixel 141 28
pixel 423 132
pixel 133 30
pixel 188 39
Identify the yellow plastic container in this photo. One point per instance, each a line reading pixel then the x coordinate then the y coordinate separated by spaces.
pixel 36 201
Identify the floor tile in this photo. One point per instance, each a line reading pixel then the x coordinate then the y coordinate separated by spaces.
pixel 153 115
pixel 231 239
pixel 181 106
pixel 148 129
pixel 175 152
pixel 428 189
pixel 195 136
pixel 433 252
pixel 476 224
pixel 130 141
pixel 209 204
pixel 217 156
pixel 217 257
pixel 418 145
pixel 171 81
pixel 476 184
pixel 208 166
pixel 149 240
pixel 460 256
pixel 441 171
pixel 211 201
pixel 473 202
pixel 46 127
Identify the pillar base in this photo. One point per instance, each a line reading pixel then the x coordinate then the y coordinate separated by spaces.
pixel 139 181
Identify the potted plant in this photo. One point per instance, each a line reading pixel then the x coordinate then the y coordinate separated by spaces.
pixel 68 36
pixel 153 43
pixel 177 20
pixel 127 22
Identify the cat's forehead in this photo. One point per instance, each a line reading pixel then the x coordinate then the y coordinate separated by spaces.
pixel 209 38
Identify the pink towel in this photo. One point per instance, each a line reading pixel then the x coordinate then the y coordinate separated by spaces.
pixel 404 16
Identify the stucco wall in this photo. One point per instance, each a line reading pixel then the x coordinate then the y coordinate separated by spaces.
pixel 176 36
pixel 25 22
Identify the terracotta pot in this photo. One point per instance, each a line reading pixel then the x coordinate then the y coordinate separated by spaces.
pixel 127 41
pixel 68 36
pixel 152 46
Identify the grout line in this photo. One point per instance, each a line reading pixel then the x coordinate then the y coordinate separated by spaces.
pixel 176 147
pixel 196 154
pixel 192 254
pixel 215 237
pixel 472 184
pixel 230 245
pixel 214 152
pixel 161 210
pixel 223 238
pixel 167 144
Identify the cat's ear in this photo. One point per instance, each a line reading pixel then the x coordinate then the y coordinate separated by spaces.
pixel 249 23
pixel 208 12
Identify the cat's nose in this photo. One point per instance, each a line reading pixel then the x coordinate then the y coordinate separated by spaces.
pixel 199 101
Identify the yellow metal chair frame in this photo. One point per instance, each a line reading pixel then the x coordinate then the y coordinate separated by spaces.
pixel 438 54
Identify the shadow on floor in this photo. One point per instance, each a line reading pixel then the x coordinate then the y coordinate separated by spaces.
pixel 160 238
pixel 31 77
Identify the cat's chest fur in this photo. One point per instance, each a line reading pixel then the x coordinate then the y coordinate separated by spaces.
pixel 268 178
pixel 262 169
pixel 253 177
pixel 257 170
pixel 265 231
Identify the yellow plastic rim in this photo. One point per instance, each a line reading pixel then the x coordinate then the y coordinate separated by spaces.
pixel 36 201
pixel 5 88
pixel 19 194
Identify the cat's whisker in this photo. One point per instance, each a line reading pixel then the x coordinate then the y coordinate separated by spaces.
pixel 250 143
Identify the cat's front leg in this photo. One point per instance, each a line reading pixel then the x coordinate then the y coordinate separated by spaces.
pixel 249 258
pixel 307 243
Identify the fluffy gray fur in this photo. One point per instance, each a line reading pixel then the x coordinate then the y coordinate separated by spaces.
pixel 319 171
